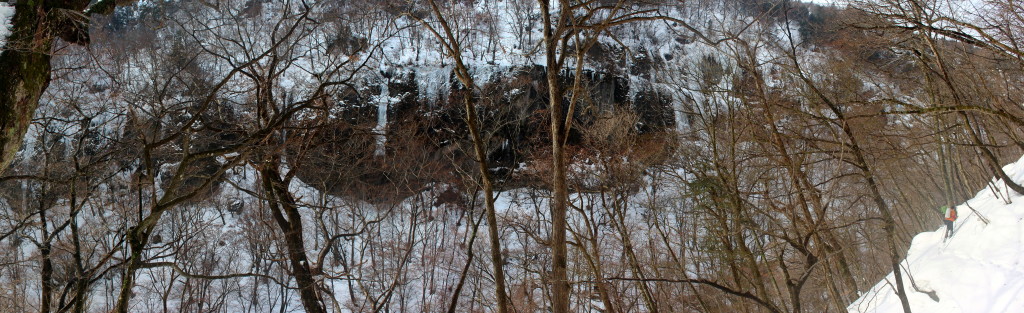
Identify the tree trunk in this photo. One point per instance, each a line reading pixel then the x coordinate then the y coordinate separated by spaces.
pixel 25 60
pixel 618 218
pixel 25 64
pixel 559 253
pixel 81 279
pixel 46 270
pixel 137 239
pixel 560 190
pixel 497 260
pixel 286 214
pixel 450 43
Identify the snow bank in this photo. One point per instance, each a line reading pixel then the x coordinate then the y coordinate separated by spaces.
pixel 979 269
pixel 6 14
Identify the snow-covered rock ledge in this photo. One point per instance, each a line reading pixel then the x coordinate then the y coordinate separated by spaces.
pixel 979 269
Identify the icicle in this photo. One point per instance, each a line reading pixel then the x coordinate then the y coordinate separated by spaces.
pixel 383 100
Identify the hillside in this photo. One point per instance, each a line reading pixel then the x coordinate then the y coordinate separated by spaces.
pixel 507 156
pixel 979 269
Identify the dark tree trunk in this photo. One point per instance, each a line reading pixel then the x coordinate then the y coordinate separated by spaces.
pixel 560 290
pixel 286 214
pixel 25 64
pixel 560 189
pixel 25 60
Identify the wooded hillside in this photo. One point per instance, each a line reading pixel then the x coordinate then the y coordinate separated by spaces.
pixel 491 156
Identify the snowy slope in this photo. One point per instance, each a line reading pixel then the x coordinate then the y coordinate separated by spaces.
pixel 980 269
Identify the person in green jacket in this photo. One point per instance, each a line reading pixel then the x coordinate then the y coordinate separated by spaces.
pixel 948 216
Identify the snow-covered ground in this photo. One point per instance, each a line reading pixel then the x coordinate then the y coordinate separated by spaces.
pixel 979 269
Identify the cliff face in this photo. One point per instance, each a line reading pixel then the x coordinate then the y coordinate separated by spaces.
pixel 388 134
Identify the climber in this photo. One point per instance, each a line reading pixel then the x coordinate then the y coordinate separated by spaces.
pixel 949 216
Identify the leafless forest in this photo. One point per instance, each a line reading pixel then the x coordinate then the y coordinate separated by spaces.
pixel 490 156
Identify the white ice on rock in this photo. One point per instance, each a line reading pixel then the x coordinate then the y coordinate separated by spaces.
pixel 6 14
pixel 979 269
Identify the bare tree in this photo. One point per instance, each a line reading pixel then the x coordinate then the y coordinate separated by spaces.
pixel 453 47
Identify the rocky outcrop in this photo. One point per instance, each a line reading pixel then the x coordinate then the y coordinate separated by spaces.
pixel 425 140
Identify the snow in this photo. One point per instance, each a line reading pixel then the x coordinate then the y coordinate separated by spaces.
pixel 6 14
pixel 979 269
pixel 827 2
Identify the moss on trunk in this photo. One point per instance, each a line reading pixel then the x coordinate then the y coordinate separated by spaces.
pixel 25 64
